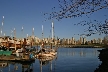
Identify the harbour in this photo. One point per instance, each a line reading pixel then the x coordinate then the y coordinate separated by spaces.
pixel 22 50
pixel 67 59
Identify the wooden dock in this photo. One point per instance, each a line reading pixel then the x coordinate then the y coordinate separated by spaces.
pixel 14 58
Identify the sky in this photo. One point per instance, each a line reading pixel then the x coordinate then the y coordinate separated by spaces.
pixel 28 13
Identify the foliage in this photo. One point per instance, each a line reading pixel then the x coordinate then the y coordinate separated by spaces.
pixel 94 27
pixel 78 8
pixel 105 40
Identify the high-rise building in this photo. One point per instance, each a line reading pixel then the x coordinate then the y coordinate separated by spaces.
pixel 81 40
pixel 99 40
pixel 73 40
pixel 94 41
pixel 84 40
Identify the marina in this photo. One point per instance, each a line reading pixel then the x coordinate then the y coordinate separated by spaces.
pixel 67 59
pixel 26 54
pixel 22 50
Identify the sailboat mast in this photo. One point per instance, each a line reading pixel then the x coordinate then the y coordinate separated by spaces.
pixel 22 37
pixel 52 30
pixel 42 32
pixel 42 40
pixel 42 37
pixel 52 33
pixel 11 33
pixel 15 38
pixel 22 30
pixel 33 37
pixel 2 26
pixel 33 32
pixel 27 35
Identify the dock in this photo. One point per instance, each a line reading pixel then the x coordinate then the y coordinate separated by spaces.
pixel 14 58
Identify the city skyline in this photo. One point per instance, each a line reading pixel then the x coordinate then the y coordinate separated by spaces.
pixel 29 15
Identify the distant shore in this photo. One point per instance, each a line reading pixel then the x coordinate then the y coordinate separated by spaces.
pixel 76 46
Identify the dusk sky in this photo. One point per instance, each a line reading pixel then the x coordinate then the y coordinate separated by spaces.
pixel 29 14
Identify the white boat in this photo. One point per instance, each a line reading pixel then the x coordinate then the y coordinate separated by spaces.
pixel 46 52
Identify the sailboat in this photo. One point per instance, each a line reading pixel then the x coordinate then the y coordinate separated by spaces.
pixel 46 53
pixel 52 50
pixel 43 53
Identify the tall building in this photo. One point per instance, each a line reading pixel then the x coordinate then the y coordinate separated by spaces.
pixel 81 40
pixel 73 40
pixel 84 40
pixel 99 40
pixel 94 41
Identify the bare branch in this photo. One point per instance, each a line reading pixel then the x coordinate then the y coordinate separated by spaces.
pixel 77 8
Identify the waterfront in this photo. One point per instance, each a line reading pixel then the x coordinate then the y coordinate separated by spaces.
pixel 68 59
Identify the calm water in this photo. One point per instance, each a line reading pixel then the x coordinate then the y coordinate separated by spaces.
pixel 68 59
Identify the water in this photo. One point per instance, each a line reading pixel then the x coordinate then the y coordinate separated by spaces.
pixel 67 60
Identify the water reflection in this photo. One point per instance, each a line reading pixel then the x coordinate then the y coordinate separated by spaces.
pixel 3 65
pixel 27 68
pixel 82 52
pixel 46 61
pixel 67 59
pixel 9 66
